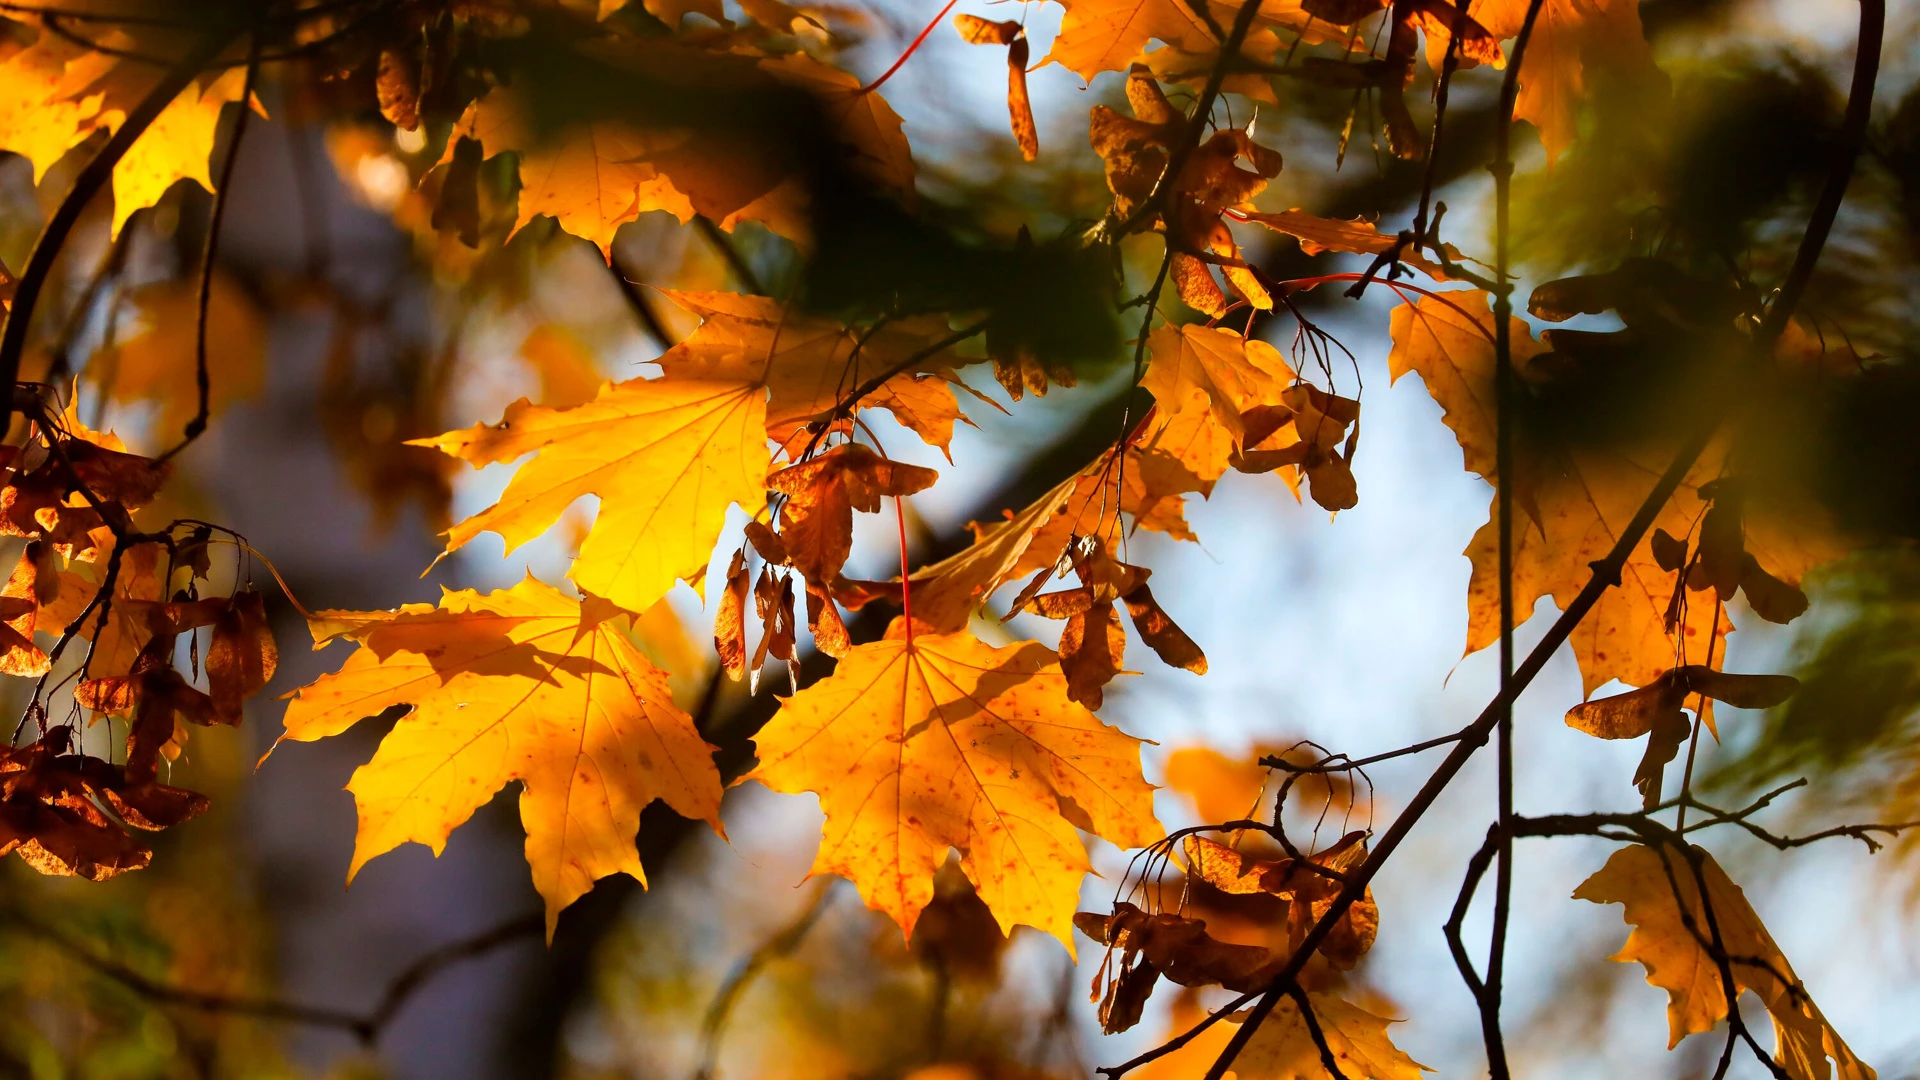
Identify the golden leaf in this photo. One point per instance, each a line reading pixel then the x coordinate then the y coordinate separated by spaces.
pixel 666 456
pixel 945 742
pixel 1568 37
pixel 808 364
pixel 519 684
pixel 1283 1049
pixel 1659 890
pixel 591 177
pixel 177 146
pixel 37 120
pixel 1573 501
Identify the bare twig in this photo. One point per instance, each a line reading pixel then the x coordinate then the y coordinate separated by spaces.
pixel 1502 169
pixel 1327 1059
pixel 723 245
pixel 1607 571
pixel 642 306
pixel 366 1027
pixel 1115 1072
pixel 210 251
pixel 714 1023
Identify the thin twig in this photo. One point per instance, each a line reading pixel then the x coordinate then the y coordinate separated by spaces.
pixel 1502 169
pixel 366 1027
pixel 844 408
pixel 642 306
pixel 1327 1059
pixel 209 253
pixel 1115 1072
pixel 1342 763
pixel 1607 571
pixel 723 245
pixel 714 1023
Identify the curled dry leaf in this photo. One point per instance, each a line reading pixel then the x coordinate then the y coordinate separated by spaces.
pixel 1356 237
pixel 1309 885
pixel 773 604
pixel 978 31
pixel 1137 151
pixel 1177 947
pixel 51 816
pixel 242 656
pixel 730 621
pixel 816 519
pixel 1092 644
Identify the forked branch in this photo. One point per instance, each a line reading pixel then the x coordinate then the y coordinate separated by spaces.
pixel 1607 571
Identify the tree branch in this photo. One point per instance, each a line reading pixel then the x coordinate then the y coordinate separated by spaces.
pixel 211 250
pixel 366 1027
pixel 780 944
pixel 642 306
pixel 1607 571
pixel 723 245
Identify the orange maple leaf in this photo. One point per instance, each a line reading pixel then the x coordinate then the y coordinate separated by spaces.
pixel 1574 500
pixel 591 178
pixel 945 742
pixel 519 684
pixel 1283 1048
pixel 1569 37
pixel 808 364
pixel 1661 896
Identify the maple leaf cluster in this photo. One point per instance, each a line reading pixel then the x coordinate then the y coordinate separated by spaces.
pixel 927 740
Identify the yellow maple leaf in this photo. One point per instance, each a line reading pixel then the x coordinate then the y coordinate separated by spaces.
pixel 1569 36
pixel 520 684
pixel 665 456
pixel 177 146
pixel 1659 891
pixel 1109 35
pixel 1573 501
pixel 1283 1049
pixel 809 364
pixel 591 177
pixel 38 120
pixel 946 594
pixel 945 742
pixel 1215 369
